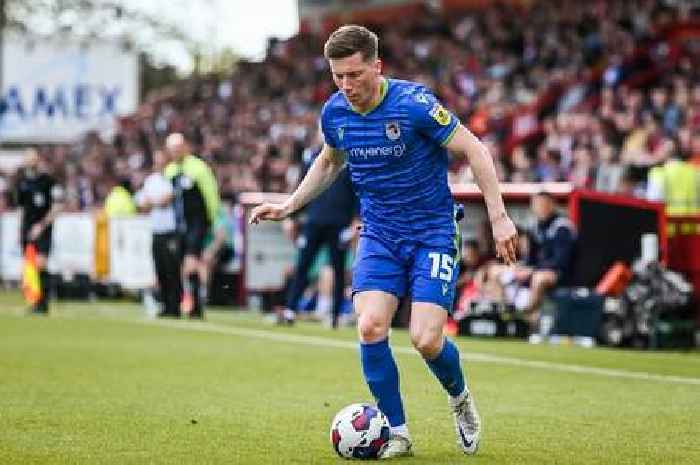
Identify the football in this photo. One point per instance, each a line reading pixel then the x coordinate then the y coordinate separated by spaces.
pixel 359 431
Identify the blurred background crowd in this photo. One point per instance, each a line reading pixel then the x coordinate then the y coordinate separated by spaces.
pixel 595 93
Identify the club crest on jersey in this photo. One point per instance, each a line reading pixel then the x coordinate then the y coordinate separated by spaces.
pixel 440 115
pixel 421 98
pixel 393 130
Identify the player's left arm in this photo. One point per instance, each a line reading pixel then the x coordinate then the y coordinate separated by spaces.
pixel 463 143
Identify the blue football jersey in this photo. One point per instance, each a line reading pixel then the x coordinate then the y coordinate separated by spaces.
pixel 398 162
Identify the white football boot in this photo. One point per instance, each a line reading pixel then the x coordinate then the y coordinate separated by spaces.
pixel 467 422
pixel 396 446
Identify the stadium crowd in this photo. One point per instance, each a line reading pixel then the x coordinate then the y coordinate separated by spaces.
pixel 254 125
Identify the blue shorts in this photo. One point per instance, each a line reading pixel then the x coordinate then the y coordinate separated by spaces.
pixel 427 274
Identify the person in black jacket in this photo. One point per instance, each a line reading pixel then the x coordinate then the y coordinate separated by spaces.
pixel 549 261
pixel 328 222
pixel 39 197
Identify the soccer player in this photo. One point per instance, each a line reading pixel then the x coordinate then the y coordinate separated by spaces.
pixel 196 201
pixel 218 246
pixel 328 218
pixel 395 136
pixel 40 199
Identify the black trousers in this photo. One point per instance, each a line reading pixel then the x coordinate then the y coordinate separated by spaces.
pixel 316 236
pixel 167 258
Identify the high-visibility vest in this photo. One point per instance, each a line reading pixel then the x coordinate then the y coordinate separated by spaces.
pixel 119 203
pixel 677 182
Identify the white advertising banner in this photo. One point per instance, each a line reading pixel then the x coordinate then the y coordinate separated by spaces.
pixel 268 255
pixel 73 245
pixel 130 256
pixel 55 90
pixel 72 250
pixel 10 247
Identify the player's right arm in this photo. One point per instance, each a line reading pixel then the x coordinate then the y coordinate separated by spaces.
pixel 464 143
pixel 323 172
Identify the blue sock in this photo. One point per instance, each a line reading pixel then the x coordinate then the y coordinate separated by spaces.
pixel 382 377
pixel 447 369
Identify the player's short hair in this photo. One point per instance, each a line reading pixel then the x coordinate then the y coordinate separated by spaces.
pixel 350 39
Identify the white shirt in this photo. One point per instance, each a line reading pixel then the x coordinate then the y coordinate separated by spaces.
pixel 154 189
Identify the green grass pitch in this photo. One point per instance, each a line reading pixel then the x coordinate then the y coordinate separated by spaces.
pixel 100 384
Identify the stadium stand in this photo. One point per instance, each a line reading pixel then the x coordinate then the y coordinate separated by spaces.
pixel 560 91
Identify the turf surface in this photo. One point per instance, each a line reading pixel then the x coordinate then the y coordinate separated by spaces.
pixel 101 384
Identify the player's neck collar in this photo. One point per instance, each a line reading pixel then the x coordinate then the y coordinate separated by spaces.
pixel 383 89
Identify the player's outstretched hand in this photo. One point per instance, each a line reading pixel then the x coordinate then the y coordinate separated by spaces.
pixel 506 237
pixel 268 211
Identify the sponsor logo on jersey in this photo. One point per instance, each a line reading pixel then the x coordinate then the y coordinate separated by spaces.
pixel 397 150
pixel 440 115
pixel 341 131
pixel 445 288
pixel 393 130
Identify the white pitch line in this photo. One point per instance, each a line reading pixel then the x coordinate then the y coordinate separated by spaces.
pixel 466 356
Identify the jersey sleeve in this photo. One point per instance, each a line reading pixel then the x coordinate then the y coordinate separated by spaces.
pixel 329 133
pixel 430 118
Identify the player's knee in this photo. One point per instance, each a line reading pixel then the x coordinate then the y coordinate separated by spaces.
pixel 427 342
pixel 372 328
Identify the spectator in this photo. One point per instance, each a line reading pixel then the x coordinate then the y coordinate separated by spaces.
pixel 488 64
pixel 609 172
pixel 469 264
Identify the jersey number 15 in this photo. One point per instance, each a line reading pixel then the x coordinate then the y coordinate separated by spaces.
pixel 443 265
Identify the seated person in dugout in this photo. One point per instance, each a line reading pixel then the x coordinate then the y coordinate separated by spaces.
pixel 547 250
pixel 549 259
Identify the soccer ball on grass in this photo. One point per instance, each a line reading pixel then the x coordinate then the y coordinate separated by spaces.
pixel 359 431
